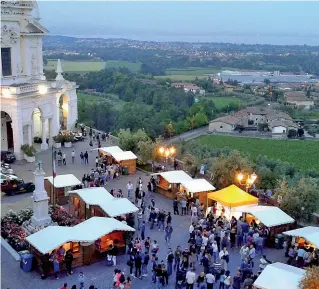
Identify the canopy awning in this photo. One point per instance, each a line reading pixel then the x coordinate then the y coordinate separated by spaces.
pixel 268 215
pixel 198 185
pixel 62 181
pixel 174 177
pixel 123 156
pixel 99 196
pixel 111 150
pixel 279 275
pixel 233 196
pixel 88 231
pixel 310 233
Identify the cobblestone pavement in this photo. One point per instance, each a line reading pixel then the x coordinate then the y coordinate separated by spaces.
pixel 98 274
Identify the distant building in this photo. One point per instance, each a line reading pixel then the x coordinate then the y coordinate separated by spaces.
pixel 282 126
pixel 298 99
pixel 188 87
pixel 226 123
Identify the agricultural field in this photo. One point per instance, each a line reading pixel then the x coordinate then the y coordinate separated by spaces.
pixel 303 154
pixel 178 77
pixel 221 102
pixel 76 66
pixel 110 98
pixel 133 66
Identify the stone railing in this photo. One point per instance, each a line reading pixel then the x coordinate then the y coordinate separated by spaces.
pixel 27 88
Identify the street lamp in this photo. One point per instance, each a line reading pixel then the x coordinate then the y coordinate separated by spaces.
pixel 167 152
pixel 246 180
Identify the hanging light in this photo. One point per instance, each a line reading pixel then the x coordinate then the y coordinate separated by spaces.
pixel 43 89
pixel 172 150
pixel 253 177
pixel 161 150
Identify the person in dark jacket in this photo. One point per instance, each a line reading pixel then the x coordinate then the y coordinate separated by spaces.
pixel 68 261
pixel 138 265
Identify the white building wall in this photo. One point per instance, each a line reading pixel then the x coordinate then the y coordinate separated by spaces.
pixel 279 129
pixel 4 140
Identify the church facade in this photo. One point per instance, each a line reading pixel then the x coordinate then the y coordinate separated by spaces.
pixel 31 105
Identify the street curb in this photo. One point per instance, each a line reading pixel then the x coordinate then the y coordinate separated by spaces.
pixel 10 250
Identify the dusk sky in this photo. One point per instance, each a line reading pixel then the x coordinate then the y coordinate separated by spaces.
pixel 237 22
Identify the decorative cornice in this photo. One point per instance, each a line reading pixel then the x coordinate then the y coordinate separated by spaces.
pixel 9 35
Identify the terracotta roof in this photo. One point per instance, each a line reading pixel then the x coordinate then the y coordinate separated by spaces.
pixel 296 96
pixel 227 119
pixel 284 123
pixel 256 110
pixel 273 115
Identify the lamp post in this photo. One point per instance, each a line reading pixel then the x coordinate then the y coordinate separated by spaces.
pixel 167 152
pixel 246 180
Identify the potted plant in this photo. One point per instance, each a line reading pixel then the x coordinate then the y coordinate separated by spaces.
pixel 29 152
pixel 68 139
pixel 58 140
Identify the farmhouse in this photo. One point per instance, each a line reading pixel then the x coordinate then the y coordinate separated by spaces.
pixel 226 123
pixel 298 99
pixel 282 126
pixel 188 87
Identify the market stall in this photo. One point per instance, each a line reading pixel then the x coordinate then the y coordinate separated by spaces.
pixel 114 155
pixel 59 187
pixel 279 275
pixel 127 159
pixel 168 183
pixel 196 188
pixel 88 241
pixel 229 198
pixel 307 235
pixel 97 201
pixel 272 217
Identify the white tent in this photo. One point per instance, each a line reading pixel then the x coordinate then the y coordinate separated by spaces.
pixel 174 177
pixel 111 150
pixel 99 196
pixel 62 181
pixel 123 156
pixel 88 231
pixel 268 215
pixel 311 234
pixel 198 185
pixel 279 276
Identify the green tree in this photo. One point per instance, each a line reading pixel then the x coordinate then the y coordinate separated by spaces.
pixel 191 122
pixel 126 140
pixel 200 119
pixel 299 201
pixel 226 167
pixel 145 150
pixel 169 130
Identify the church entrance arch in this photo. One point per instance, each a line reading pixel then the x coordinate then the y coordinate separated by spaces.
pixel 63 111
pixel 7 143
pixel 37 125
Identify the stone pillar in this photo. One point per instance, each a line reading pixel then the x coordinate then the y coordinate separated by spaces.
pixel 17 128
pixel 51 134
pixel 40 197
pixel 44 144
pixel 30 141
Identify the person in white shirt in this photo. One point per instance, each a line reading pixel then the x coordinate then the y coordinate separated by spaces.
pixel 227 281
pixel 215 251
pixel 224 258
pixel 255 237
pixel 194 214
pixel 190 278
pixel 129 187
pixel 73 156
pixel 244 251
pixel 210 280
pixel 191 229
pixel 204 240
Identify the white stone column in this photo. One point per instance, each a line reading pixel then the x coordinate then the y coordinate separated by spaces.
pixel 44 144
pixel 51 134
pixel 30 141
pixel 17 128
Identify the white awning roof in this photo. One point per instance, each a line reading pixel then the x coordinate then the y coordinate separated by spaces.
pixel 111 150
pixel 123 156
pixel 198 185
pixel 90 230
pixel 61 181
pixel 311 234
pixel 99 196
pixel 174 177
pixel 268 215
pixel 279 275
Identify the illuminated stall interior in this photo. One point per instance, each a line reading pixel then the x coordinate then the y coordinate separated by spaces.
pixel 308 236
pixel 229 198
pixel 196 188
pixel 168 183
pixel 59 187
pixel 97 201
pixel 88 240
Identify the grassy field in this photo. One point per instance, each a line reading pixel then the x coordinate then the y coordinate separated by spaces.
pixel 179 77
pixel 134 67
pixel 221 102
pixel 76 66
pixel 112 99
pixel 303 154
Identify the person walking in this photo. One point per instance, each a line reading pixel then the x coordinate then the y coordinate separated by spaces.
pixel 227 281
pixel 168 233
pixel 82 158
pixel 183 206
pixel 138 265
pixel 86 157
pixel 170 259
pixel 129 187
pixel 64 158
pixel 146 258
pixel 210 280
pixel 68 262
pixel 190 279
pixel 91 145
pixel 73 156
pixel 96 162
pixel 81 280
pixel 252 255
pixel 175 206
pixel 143 228
pixel 224 258
pixel 236 280
pixel 177 257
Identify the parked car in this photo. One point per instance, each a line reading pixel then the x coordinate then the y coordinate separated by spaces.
pixel 7 157
pixel 12 186
pixel 5 165
pixel 7 171
pixel 4 177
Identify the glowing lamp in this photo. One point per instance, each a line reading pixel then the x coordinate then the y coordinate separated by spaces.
pixel 240 177
pixel 172 150
pixel 64 106
pixel 253 177
pixel 43 89
pixel 167 153
pixel 161 150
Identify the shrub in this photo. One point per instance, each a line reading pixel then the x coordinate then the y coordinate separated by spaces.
pixel 17 218
pixel 68 138
pixel 62 217
pixel 28 150
pixel 58 138
pixel 37 139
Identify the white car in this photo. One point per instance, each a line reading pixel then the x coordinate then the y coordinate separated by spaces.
pixel 3 177
pixel 6 171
